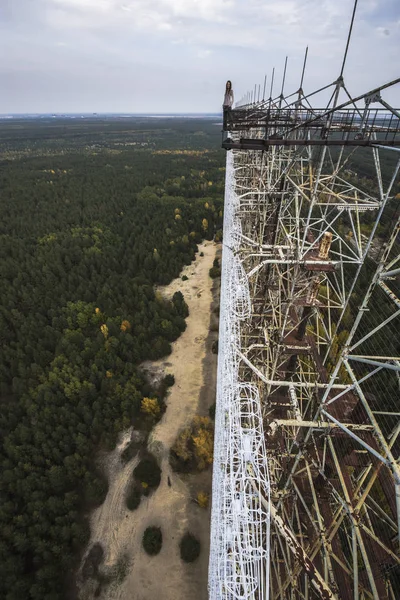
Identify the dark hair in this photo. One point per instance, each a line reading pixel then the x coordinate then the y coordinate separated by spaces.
pixel 230 85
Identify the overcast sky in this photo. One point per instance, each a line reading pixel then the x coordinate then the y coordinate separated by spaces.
pixel 175 55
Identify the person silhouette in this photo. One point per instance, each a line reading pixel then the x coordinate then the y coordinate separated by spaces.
pixel 228 102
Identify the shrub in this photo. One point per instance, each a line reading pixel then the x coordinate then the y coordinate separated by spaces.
pixel 211 411
pixel 151 407
pixel 180 305
pixel 133 498
pixel 184 278
pixel 201 253
pixel 193 448
pixel 132 449
pixel 214 272
pixel 147 476
pixel 202 499
pixel 148 471
pixel 218 236
pixel 189 547
pixel 169 380
pixel 93 561
pixel 152 540
pixel 128 453
pixel 214 323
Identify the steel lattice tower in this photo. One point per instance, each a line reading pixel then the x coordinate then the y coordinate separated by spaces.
pixel 306 484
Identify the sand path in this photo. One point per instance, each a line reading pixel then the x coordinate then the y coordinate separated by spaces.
pixel 165 576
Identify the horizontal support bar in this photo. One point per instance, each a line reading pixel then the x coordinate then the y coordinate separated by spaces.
pixel 295 384
pixel 254 144
pixel 317 424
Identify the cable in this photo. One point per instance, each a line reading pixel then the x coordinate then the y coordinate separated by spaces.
pixel 348 37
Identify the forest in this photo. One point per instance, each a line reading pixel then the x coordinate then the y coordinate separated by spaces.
pixel 94 215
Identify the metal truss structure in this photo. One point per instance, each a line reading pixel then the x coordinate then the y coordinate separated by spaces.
pixel 239 556
pixel 306 484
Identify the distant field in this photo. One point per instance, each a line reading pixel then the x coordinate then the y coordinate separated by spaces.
pixel 51 135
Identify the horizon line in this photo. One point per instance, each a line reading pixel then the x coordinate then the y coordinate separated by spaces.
pixel 97 113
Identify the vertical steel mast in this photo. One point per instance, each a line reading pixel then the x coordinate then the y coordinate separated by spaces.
pixel 306 486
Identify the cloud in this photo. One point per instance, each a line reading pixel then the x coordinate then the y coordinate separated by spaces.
pixel 121 46
pixel 204 53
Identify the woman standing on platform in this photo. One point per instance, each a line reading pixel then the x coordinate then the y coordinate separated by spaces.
pixel 228 102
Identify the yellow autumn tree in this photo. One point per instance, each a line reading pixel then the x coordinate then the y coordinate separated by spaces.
pixel 204 224
pixel 178 217
pixel 150 407
pixel 109 374
pixel 203 448
pixel 125 325
pixel 194 445
pixel 202 499
pixel 104 330
pixel 97 311
pixel 181 446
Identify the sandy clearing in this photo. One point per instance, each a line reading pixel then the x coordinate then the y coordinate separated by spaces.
pixel 114 529
pixel 165 577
